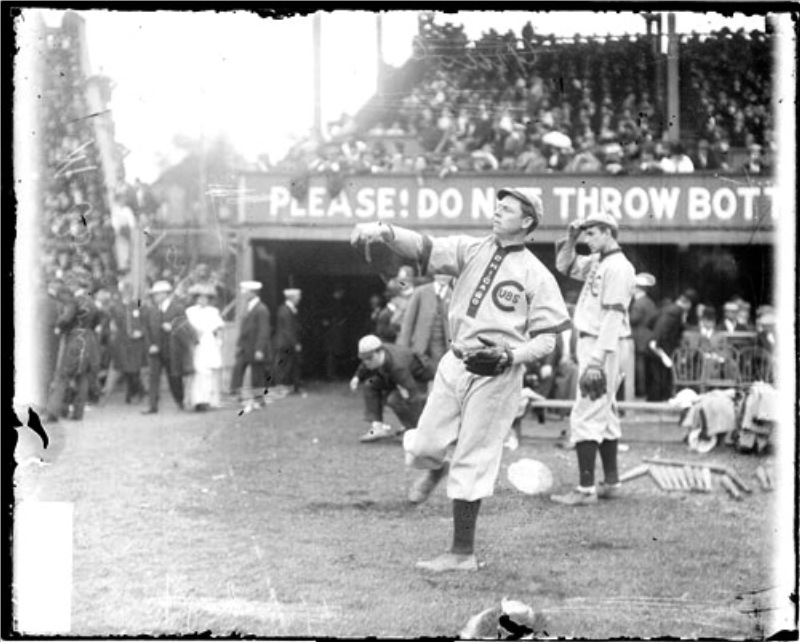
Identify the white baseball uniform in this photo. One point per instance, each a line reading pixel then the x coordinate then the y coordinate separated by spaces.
pixel 501 293
pixel 601 321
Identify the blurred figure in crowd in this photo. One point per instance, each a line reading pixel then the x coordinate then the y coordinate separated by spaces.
pixel 730 319
pixel 288 341
pixel 128 351
pixel 79 353
pixel 643 309
pixel 253 347
pixel 206 381
pixel 334 334
pixel 425 328
pixel 166 350
pixel 381 319
pixel 668 326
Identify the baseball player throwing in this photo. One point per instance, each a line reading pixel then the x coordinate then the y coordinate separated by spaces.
pixel 505 311
pixel 601 320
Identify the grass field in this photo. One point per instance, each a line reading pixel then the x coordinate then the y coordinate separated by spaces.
pixel 279 523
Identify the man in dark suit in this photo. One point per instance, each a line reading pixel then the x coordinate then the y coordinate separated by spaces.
pixel 165 317
pixel 643 309
pixel 393 376
pixel 425 328
pixel 667 327
pixel 288 345
pixel 253 346
pixel 730 320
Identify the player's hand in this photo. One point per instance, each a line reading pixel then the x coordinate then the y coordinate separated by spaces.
pixel 258 356
pixel 546 371
pixel 574 229
pixel 367 233
pixel 353 384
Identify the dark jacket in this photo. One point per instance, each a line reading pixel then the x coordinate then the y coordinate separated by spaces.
pixel 175 344
pixel 287 329
pixel 254 334
pixel 417 326
pixel 642 312
pixel 128 354
pixel 76 321
pixel 668 328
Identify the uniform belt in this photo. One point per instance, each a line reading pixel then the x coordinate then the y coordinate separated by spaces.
pixel 583 335
pixel 459 354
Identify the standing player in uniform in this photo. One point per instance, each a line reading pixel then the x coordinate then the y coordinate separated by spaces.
pixel 601 321
pixel 504 313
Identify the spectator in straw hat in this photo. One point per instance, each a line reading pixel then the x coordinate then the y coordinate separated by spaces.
pixel 253 347
pixel 205 318
pixel 288 345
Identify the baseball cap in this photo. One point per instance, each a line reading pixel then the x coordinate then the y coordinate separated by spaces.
pixel 291 291
pixel 599 218
pixel 526 196
pixel 645 280
pixel 368 344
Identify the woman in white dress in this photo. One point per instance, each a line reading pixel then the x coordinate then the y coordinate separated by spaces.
pixel 206 384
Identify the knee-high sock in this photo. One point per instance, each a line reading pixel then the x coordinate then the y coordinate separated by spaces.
pixel 608 455
pixel 465 517
pixel 587 455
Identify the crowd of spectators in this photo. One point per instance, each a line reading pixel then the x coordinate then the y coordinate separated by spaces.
pixel 537 104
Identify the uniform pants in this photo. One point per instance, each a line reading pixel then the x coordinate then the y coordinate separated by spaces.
pixel 408 411
pixel 157 362
pixel 471 415
pixel 258 377
pixel 596 420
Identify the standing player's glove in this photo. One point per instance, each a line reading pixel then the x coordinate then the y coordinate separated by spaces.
pixel 593 382
pixel 488 361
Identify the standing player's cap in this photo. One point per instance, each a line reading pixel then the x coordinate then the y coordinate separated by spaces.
pixel 599 218
pixel 291 292
pixel 250 286
pixel 160 286
pixel 369 344
pixel 528 197
pixel 645 280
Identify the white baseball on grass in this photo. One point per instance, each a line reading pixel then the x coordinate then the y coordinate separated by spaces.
pixel 530 476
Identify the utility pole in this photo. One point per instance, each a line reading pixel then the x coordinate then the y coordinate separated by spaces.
pixel 317 22
pixel 673 97
pixel 379 46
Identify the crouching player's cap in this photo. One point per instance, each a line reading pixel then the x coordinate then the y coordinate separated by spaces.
pixel 369 344
pixel 526 197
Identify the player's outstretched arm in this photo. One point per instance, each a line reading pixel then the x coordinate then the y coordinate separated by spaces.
pixel 400 240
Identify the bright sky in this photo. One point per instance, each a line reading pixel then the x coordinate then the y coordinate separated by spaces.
pixel 199 73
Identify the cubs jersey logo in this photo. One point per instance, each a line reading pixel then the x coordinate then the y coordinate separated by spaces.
pixel 597 282
pixel 506 295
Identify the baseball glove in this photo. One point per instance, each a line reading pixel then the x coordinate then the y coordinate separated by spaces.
pixel 593 382
pixel 488 361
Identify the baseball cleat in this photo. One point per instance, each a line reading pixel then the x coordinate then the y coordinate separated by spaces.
pixel 449 562
pixel 609 491
pixel 378 431
pixel 575 498
pixel 422 488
